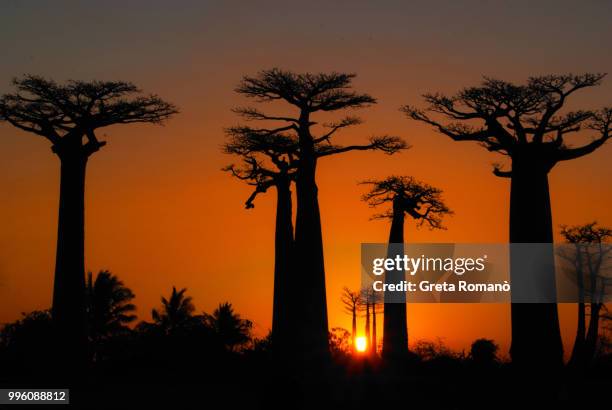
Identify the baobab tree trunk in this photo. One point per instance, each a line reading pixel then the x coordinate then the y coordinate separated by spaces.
pixel 395 326
pixel 374 337
pixel 282 319
pixel 313 340
pixel 367 327
pixel 68 310
pixel 590 344
pixel 578 349
pixel 354 327
pixel 536 336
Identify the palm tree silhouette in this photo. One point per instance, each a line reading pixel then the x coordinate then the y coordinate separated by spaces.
pixel 310 94
pixel 524 122
pixel 424 204
pixel 176 313
pixel 68 116
pixel 230 329
pixel 109 307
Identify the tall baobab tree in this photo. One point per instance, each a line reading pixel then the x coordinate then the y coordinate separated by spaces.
pixel 590 258
pixel 268 160
pixel 370 302
pixel 310 94
pixel 526 123
pixel 351 301
pixel 424 204
pixel 68 116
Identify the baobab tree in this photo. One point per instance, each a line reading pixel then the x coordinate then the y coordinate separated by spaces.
pixel 526 123
pixel 268 160
pixel 370 302
pixel 351 301
pixel 68 116
pixel 590 258
pixel 310 94
pixel 424 204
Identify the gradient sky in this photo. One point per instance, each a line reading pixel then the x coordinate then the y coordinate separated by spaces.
pixel 161 213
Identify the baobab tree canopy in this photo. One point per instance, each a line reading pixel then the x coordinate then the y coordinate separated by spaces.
pixel 312 92
pixel 267 159
pixel 63 113
pixel 309 93
pixel 519 119
pixel 421 201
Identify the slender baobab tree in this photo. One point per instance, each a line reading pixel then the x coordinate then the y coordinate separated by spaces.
pixel 269 161
pixel 370 302
pixel 68 116
pixel 525 123
pixel 351 300
pixel 424 204
pixel 310 94
pixel 590 259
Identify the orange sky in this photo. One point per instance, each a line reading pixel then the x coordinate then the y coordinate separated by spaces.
pixel 161 213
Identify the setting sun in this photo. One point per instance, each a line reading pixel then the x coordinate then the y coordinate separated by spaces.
pixel 361 344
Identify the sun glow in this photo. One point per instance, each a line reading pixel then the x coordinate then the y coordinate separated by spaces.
pixel 361 344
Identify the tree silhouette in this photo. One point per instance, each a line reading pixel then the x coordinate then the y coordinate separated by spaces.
pixel 268 160
pixel 339 342
pixel 525 123
pixel 231 330
pixel 369 301
pixel 68 116
pixel 422 203
pixel 483 352
pixel 25 346
pixel 351 300
pixel 109 306
pixel 310 94
pixel 589 258
pixel 176 313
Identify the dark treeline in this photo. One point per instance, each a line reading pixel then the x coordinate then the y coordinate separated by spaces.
pixel 89 337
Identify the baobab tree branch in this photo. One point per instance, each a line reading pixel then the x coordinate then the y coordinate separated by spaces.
pixel 562 87
pixel 498 172
pixel 600 122
pixel 246 141
pixel 458 132
pixel 254 114
pixel 444 105
pixel 572 153
pixel 387 144
pixel 344 123
pixel 261 187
